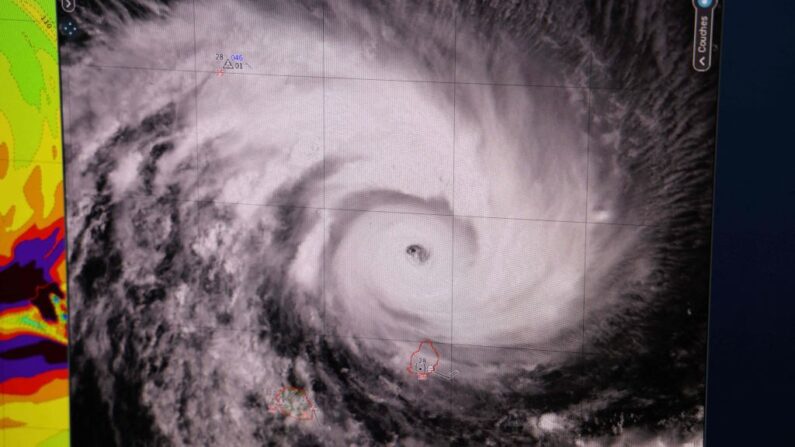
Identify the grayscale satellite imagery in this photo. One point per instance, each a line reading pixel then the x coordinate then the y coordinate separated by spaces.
pixel 403 223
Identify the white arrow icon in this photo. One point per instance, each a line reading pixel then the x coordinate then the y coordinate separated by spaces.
pixel 703 61
pixel 68 5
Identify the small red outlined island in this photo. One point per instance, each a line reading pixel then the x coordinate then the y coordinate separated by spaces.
pixel 424 361
pixel 291 401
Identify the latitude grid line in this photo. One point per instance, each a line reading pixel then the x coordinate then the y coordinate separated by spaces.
pixel 469 345
pixel 406 213
pixel 39 428
pixel 350 78
pixel 139 194
pixel 202 328
pixel 455 82
pixel 7 19
pixel 32 160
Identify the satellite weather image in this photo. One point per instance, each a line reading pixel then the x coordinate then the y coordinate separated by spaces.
pixel 401 223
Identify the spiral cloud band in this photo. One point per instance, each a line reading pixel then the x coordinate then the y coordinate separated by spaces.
pixel 386 223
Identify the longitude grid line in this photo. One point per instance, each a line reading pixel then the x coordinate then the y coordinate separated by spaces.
pixel 589 97
pixel 452 226
pixel 323 259
pixel 585 239
pixel 197 166
pixel 197 171
pixel 195 97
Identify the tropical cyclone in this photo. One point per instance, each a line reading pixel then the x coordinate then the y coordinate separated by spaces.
pixel 384 174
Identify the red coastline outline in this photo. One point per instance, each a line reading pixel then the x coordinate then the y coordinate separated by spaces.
pixel 278 407
pixel 410 368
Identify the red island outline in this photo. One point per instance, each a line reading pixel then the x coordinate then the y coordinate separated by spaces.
pixel 423 375
pixel 278 405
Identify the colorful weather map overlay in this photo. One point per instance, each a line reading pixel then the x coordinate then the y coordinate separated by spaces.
pixel 34 392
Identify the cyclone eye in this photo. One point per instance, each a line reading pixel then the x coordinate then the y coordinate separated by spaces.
pixel 417 254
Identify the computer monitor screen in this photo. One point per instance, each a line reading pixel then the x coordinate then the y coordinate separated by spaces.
pixel 355 222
